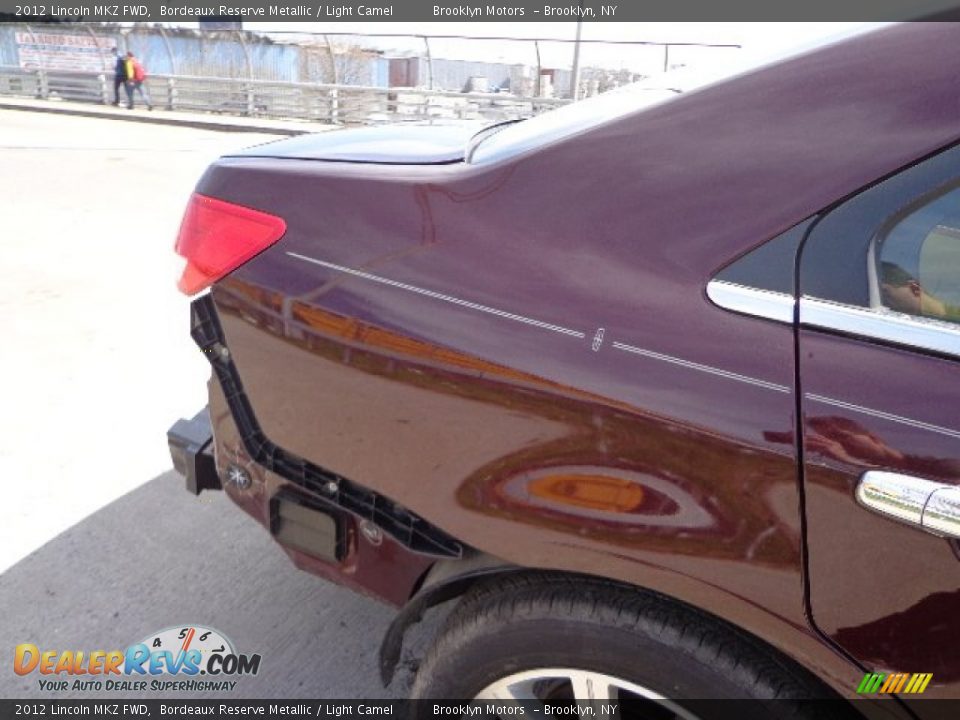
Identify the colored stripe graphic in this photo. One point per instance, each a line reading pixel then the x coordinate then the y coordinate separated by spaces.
pixel 894 683
pixel 918 683
pixel 870 683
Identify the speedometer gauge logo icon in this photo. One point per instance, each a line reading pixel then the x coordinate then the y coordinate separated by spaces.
pixel 180 640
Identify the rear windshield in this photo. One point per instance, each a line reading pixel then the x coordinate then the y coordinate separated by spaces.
pixel 518 138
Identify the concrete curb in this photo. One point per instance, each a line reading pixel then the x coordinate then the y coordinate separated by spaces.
pixel 160 118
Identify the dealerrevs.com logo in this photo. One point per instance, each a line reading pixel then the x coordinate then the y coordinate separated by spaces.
pixel 184 658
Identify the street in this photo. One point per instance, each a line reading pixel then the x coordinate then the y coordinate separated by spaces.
pixel 100 546
pixel 159 557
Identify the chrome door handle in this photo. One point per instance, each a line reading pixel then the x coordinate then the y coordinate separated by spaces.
pixel 930 506
pixel 942 513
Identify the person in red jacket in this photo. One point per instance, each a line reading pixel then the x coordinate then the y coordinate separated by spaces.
pixel 135 77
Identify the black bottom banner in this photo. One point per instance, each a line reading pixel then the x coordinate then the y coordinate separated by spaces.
pixel 430 709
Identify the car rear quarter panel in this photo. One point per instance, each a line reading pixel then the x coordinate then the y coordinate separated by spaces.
pixel 455 411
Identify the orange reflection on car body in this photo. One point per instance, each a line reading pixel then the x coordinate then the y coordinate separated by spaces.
pixel 596 492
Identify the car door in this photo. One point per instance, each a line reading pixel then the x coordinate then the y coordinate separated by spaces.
pixel 879 393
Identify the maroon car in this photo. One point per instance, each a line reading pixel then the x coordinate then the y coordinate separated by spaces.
pixel 662 388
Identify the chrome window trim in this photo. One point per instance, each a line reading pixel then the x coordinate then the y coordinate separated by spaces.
pixel 767 304
pixel 873 282
pixel 881 324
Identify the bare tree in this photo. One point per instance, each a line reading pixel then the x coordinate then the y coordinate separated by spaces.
pixel 340 63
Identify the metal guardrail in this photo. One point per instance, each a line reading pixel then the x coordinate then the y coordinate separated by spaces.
pixel 334 104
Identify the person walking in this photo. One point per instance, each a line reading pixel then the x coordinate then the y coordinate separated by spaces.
pixel 119 74
pixel 136 75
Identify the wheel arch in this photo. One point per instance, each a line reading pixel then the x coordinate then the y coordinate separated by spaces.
pixel 444 580
pixel 451 579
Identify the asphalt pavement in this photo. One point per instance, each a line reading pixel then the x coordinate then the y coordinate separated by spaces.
pixel 159 557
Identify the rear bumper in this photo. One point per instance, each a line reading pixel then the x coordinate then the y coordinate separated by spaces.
pixel 191 448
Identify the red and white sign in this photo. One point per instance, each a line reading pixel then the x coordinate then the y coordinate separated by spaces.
pixel 54 51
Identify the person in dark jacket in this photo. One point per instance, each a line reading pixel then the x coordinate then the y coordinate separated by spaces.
pixel 119 74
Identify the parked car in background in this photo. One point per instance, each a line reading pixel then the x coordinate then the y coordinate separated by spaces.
pixel 662 388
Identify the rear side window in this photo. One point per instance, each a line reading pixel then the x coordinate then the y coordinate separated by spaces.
pixel 884 265
pixel 916 262
pixel 761 283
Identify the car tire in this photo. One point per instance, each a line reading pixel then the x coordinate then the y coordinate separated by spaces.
pixel 641 642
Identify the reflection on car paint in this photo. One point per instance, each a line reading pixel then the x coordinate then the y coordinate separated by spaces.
pixel 606 494
pixel 597 339
pixel 883 415
pixel 693 513
pixel 442 296
pixel 701 367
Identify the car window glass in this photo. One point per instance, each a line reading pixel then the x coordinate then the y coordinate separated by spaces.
pixel 917 261
pixel 549 127
pixel 770 266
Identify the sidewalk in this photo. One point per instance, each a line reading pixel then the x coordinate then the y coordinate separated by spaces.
pixel 203 121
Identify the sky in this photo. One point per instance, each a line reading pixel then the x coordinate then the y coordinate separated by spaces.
pixel 757 40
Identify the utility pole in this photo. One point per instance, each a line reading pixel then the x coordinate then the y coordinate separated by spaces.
pixel 575 74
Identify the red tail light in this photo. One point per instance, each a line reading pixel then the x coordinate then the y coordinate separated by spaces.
pixel 217 237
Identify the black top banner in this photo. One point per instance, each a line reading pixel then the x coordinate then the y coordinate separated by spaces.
pixel 420 11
